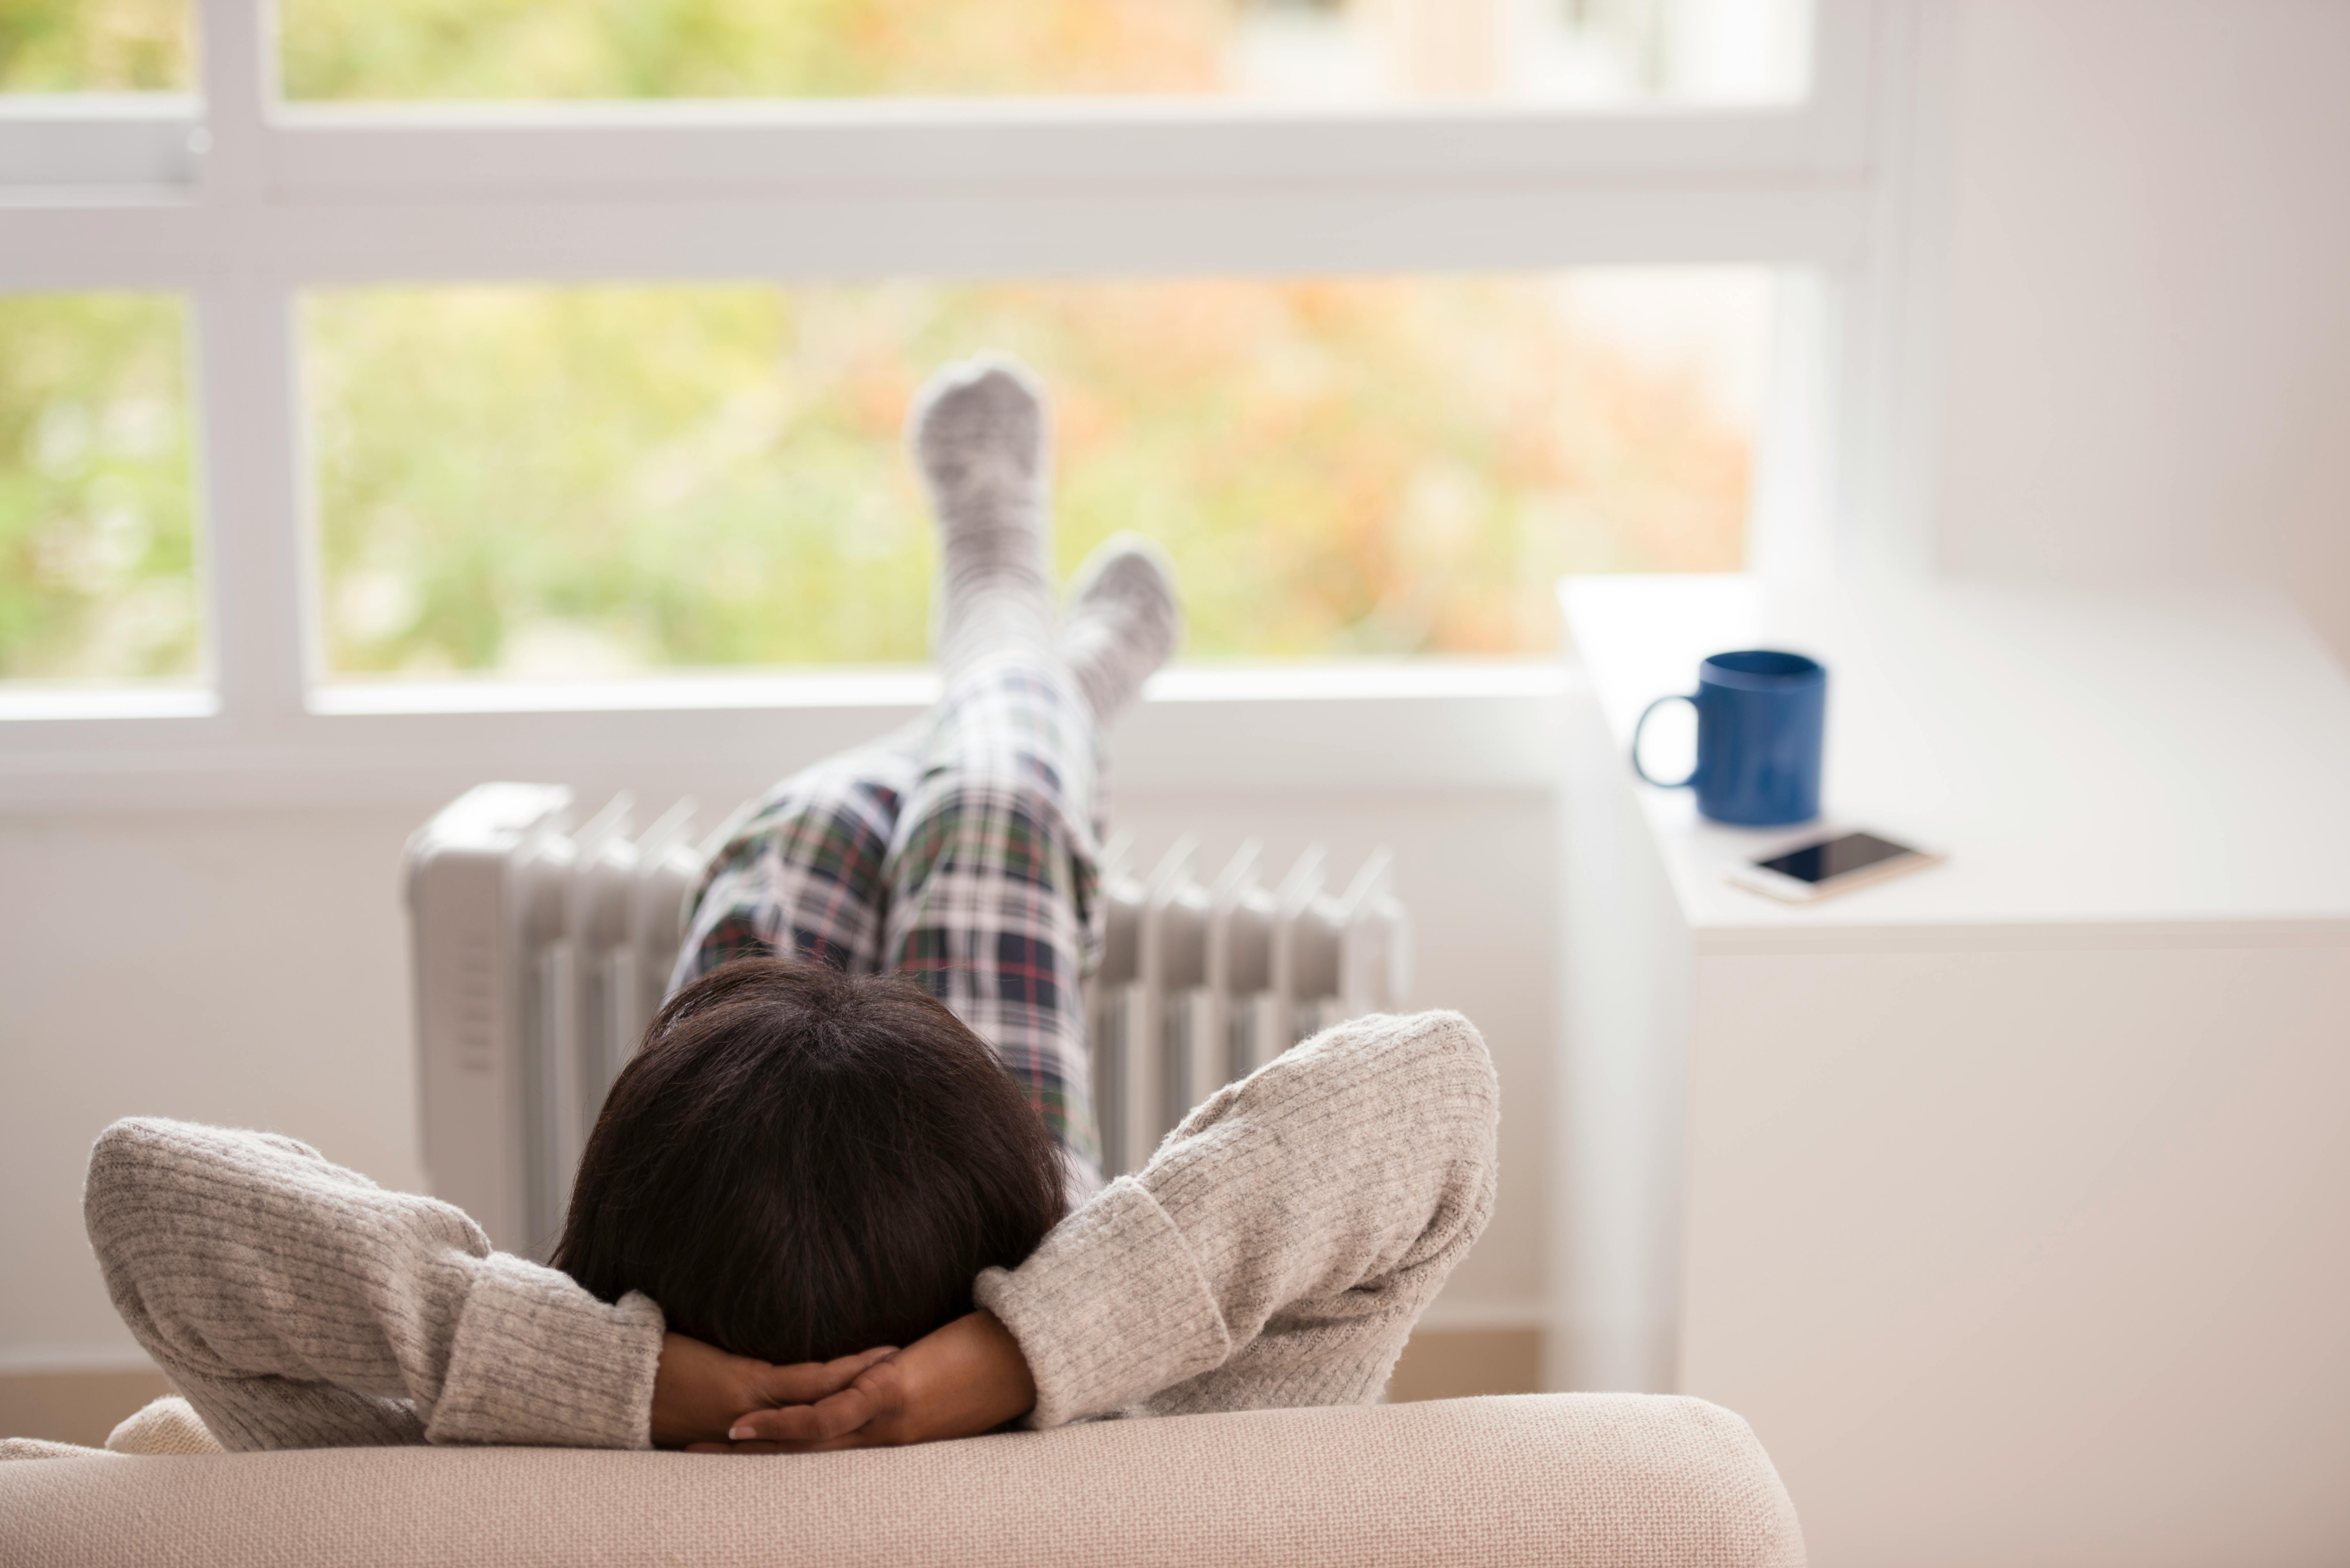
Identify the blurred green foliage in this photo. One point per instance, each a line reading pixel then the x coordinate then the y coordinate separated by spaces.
pixel 97 536
pixel 94 45
pixel 595 480
pixel 581 481
pixel 719 48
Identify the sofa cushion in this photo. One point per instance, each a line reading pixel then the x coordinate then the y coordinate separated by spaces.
pixel 1559 1480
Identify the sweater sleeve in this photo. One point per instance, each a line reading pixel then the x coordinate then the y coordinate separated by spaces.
pixel 1280 1245
pixel 297 1304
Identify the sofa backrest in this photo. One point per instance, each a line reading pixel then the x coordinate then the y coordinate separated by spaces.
pixel 1606 1481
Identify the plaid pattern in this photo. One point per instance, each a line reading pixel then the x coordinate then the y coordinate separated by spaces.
pixel 960 852
pixel 808 872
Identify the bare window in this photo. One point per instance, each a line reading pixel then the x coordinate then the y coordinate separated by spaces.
pixel 94 45
pixel 1573 52
pixel 97 577
pixel 590 482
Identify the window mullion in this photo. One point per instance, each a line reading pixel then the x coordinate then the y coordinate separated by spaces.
pixel 236 39
pixel 247 404
pixel 252 486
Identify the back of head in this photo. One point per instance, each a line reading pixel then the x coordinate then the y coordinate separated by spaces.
pixel 799 1164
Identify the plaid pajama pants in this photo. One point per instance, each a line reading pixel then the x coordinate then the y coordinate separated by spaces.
pixel 961 851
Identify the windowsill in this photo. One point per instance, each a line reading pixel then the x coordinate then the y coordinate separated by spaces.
pixel 910 688
pixel 914 686
pixel 1342 728
pixel 54 702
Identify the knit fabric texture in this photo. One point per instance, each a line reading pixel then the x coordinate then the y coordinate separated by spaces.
pixel 1280 1245
pixel 297 1304
pixel 1276 1251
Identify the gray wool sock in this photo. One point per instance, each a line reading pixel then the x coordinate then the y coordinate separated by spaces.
pixel 1123 621
pixel 978 435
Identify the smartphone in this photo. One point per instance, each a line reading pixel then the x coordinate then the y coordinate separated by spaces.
pixel 1837 863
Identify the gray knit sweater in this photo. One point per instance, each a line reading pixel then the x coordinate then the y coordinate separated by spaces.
pixel 1275 1251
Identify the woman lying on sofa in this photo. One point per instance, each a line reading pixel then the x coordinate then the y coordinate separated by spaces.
pixel 819 1155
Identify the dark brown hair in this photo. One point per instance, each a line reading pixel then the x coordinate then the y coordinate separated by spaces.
pixel 800 1163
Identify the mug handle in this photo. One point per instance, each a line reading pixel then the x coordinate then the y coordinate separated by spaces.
pixel 1646 776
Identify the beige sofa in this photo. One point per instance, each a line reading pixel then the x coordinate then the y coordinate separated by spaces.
pixel 1618 1481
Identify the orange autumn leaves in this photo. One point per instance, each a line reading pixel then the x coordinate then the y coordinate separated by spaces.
pixel 695 476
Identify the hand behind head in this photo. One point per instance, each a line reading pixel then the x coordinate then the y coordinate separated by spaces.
pixel 699 1390
pixel 965 1378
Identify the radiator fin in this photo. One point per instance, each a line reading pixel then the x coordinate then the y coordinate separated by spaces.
pixel 542 950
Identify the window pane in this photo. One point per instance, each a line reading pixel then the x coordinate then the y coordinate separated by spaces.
pixel 97 523
pixel 94 45
pixel 1576 52
pixel 594 480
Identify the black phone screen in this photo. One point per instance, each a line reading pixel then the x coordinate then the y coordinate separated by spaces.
pixel 1817 863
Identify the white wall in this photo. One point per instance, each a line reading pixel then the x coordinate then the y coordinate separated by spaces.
pixel 2148 342
pixel 248 967
pixel 237 966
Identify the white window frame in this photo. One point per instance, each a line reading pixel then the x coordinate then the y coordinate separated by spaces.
pixel 239 202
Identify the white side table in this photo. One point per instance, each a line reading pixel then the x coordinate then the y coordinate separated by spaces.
pixel 2010 1200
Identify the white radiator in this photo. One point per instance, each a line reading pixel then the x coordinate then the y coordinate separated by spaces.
pixel 541 949
pixel 1202 984
pixel 540 952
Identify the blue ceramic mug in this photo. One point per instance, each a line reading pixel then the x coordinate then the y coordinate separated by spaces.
pixel 1760 718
